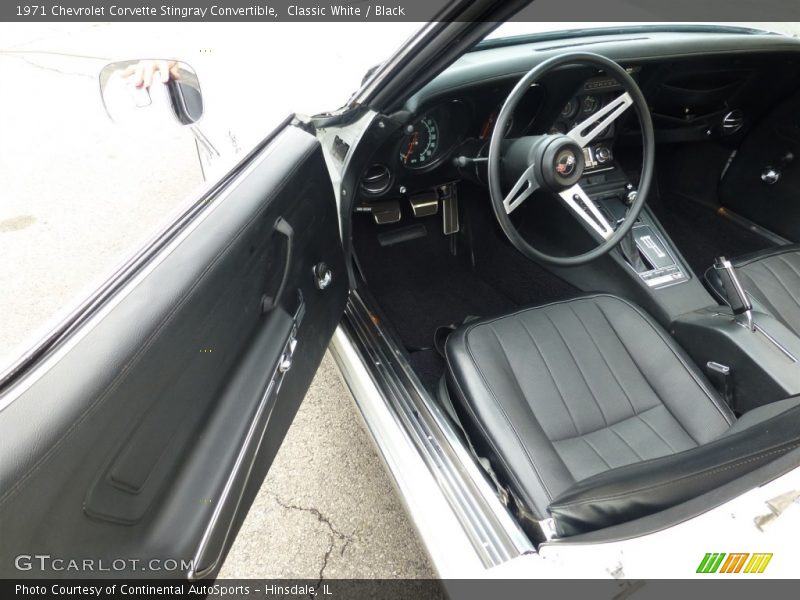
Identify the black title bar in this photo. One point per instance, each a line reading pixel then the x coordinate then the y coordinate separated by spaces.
pixel 394 10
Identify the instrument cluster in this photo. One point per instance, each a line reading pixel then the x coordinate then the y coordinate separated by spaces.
pixel 428 149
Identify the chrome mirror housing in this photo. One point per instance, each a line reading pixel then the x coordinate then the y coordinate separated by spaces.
pixel 157 91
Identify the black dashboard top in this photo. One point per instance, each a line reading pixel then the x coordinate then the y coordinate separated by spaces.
pixel 511 62
pixel 692 82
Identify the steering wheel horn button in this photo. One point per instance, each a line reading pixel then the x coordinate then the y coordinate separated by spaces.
pixel 566 163
pixel 562 163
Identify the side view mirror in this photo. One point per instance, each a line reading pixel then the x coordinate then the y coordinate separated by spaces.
pixel 135 91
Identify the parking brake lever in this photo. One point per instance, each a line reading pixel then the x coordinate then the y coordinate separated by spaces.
pixel 737 299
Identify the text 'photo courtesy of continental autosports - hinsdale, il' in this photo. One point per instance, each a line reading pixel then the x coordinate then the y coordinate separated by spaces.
pixel 556 265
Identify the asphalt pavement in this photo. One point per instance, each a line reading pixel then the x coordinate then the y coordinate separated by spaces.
pixel 80 193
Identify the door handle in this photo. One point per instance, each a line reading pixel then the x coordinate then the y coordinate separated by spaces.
pixel 282 227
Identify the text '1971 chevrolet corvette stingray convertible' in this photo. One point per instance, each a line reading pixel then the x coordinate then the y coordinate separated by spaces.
pixel 558 274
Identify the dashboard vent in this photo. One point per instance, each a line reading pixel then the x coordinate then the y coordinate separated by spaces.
pixel 376 180
pixel 732 122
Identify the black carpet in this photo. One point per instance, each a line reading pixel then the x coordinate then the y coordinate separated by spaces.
pixel 420 285
pixel 702 235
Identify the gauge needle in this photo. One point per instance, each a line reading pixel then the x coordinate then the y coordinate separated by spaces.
pixel 410 147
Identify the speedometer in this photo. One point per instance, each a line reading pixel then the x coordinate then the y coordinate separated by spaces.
pixel 421 143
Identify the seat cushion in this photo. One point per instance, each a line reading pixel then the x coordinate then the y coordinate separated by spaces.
pixel 650 486
pixel 559 393
pixel 772 280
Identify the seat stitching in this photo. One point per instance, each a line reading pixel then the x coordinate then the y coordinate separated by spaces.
pixel 596 451
pixel 613 424
pixel 616 433
pixel 680 360
pixel 505 414
pixel 608 366
pixel 577 364
pixel 780 282
pixel 703 473
pixel 790 265
pixel 651 428
pixel 515 377
pixel 644 375
pixel 550 374
pixel 768 281
pixel 668 342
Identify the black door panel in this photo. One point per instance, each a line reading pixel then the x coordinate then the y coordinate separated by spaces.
pixel 148 437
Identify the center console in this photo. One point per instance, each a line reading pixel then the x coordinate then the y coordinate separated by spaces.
pixel 646 266
pixel 750 357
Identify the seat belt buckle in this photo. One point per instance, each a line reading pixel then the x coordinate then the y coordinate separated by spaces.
pixel 721 378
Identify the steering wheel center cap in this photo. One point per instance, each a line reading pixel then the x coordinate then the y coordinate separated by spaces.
pixel 566 163
pixel 562 163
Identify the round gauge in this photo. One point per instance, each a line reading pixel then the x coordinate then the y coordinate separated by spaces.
pixel 419 146
pixel 488 125
pixel 570 108
pixel 590 104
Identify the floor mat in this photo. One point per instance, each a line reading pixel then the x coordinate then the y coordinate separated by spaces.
pixel 429 367
pixel 420 286
pixel 702 235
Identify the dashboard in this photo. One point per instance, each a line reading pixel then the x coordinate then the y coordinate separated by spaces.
pixel 435 144
pixel 698 87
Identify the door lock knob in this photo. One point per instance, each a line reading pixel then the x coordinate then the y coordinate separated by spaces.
pixel 323 276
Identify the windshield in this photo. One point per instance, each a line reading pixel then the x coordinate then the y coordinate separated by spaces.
pixel 513 29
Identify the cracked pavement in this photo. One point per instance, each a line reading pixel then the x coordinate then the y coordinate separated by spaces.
pixel 327 508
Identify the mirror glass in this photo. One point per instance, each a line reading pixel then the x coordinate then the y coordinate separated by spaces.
pixel 151 90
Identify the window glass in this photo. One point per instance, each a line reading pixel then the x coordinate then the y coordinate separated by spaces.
pixel 80 194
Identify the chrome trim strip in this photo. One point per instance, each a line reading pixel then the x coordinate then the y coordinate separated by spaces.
pixel 250 445
pixel 774 342
pixel 405 407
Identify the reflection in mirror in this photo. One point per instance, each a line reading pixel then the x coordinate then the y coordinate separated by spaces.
pixel 151 90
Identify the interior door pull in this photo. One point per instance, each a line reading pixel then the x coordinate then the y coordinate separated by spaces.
pixel 283 227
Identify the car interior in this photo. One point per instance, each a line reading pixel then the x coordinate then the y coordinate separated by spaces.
pixel 661 363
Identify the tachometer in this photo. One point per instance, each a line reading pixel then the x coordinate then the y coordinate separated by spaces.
pixel 421 143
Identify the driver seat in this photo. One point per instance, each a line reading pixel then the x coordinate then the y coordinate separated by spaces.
pixel 592 415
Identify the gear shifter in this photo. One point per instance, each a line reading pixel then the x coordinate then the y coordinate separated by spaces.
pixel 737 298
pixel 631 252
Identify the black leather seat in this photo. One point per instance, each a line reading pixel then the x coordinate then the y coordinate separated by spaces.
pixel 590 413
pixel 772 280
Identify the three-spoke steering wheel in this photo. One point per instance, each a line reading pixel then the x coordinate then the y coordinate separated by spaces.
pixel 556 162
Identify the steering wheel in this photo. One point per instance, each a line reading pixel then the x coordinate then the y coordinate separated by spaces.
pixel 556 162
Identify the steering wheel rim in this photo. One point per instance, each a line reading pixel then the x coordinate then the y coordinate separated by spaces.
pixel 499 202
